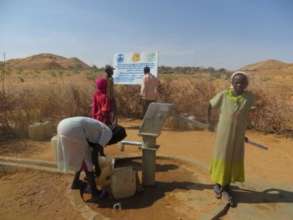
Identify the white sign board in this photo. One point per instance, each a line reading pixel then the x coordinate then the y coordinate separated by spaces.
pixel 129 67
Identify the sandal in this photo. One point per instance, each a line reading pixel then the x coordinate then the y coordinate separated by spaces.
pixel 95 197
pixel 218 191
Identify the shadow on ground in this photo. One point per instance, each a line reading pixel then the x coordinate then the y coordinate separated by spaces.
pixel 136 164
pixel 177 178
pixel 152 194
pixel 267 196
pixel 247 196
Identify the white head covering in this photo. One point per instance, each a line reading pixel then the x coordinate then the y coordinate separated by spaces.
pixel 239 73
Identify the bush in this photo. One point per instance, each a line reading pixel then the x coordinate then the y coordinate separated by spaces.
pixel 45 102
pixel 53 100
pixel 273 113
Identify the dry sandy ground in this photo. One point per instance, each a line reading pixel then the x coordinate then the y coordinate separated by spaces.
pixel 265 170
pixel 35 195
pixel 177 188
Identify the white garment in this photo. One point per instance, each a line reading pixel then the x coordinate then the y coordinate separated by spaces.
pixel 73 136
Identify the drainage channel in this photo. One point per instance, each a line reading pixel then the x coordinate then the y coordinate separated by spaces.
pixel 14 164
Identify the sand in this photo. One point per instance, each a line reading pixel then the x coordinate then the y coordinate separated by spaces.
pixel 185 192
pixel 35 195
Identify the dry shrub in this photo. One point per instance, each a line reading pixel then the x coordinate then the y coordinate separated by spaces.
pixel 6 105
pixel 273 113
pixel 28 102
pixel 190 96
pixel 128 100
pixel 45 102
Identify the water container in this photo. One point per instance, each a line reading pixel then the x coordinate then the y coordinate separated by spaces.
pixel 104 179
pixel 40 130
pixel 48 129
pixel 107 166
pixel 123 182
pixel 35 131
pixel 106 162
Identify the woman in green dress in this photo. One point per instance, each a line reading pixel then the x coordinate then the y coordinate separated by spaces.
pixel 228 160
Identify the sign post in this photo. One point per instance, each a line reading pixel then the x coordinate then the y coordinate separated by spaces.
pixel 129 67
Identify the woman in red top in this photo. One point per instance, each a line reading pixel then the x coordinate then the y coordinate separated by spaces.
pixel 101 107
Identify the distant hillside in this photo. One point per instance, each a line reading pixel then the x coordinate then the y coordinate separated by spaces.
pixel 46 61
pixel 270 66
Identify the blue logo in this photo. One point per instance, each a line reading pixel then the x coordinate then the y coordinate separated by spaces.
pixel 120 58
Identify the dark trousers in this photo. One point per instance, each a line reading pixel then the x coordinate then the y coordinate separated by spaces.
pixel 145 105
pixel 77 183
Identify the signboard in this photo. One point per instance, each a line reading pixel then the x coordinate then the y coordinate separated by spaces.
pixel 129 67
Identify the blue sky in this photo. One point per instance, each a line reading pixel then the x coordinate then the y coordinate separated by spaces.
pixel 218 33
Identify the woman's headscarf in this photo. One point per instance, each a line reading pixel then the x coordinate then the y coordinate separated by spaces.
pixel 101 85
pixel 239 73
pixel 229 92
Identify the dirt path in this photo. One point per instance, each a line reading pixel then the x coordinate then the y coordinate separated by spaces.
pixel 35 195
pixel 265 170
pixel 173 197
pixel 270 167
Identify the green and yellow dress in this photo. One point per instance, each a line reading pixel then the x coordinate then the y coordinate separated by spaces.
pixel 228 161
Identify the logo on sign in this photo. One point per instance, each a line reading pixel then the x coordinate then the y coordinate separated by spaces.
pixel 136 57
pixel 120 58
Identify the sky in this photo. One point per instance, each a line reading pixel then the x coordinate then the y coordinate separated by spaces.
pixel 207 33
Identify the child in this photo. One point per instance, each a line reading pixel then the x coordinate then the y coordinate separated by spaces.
pixel 110 93
pixel 101 107
pixel 228 161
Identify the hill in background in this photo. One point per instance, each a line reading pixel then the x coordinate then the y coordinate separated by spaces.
pixel 269 66
pixel 46 61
